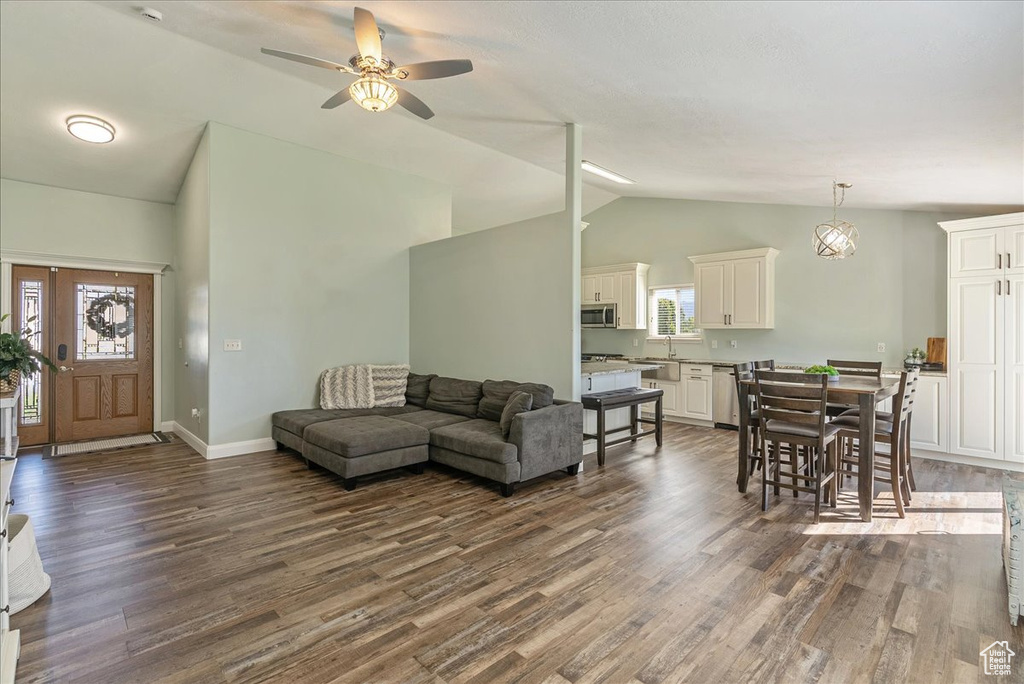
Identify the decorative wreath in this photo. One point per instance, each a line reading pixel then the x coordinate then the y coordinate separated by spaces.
pixel 96 316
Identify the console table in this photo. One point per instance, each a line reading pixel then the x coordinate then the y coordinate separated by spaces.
pixel 9 423
pixel 631 398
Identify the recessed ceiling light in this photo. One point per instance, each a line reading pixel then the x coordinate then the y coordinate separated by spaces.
pixel 605 173
pixel 90 129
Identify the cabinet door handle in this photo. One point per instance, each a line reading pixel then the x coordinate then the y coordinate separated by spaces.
pixel 619 319
pixel 696 378
pixel 1007 286
pixel 725 319
pixel 999 287
pixel 1007 260
pixel 1000 255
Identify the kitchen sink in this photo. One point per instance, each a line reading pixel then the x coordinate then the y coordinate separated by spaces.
pixel 668 372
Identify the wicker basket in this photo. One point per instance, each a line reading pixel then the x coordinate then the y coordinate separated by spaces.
pixel 11 383
pixel 28 582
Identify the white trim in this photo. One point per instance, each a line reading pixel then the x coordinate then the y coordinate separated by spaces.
pixel 769 252
pixel 7 303
pixel 983 222
pixel 636 267
pixel 190 439
pixel 167 426
pixel 15 256
pixel 968 460
pixel 157 349
pixel 251 446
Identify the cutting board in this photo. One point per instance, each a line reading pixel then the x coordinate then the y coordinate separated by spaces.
pixel 937 350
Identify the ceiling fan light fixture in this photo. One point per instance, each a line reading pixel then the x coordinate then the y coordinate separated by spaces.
pixel 373 93
pixel 90 129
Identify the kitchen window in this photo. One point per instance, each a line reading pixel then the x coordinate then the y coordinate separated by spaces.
pixel 672 313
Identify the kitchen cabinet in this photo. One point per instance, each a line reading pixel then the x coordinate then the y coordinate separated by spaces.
pixel 735 289
pixel 929 421
pixel 986 350
pixel 696 392
pixel 670 405
pixel 624 285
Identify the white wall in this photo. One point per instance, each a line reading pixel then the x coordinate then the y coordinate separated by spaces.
pixel 69 223
pixel 192 310
pixel 309 267
pixel 893 290
pixel 493 304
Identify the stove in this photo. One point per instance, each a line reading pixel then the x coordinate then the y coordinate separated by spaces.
pixel 599 358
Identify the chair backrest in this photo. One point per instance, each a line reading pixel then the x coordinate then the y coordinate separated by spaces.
pixel 903 401
pixel 871 369
pixel 792 397
pixel 769 364
pixel 743 371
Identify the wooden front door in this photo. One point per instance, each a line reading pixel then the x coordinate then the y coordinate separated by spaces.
pixel 103 343
pixel 98 326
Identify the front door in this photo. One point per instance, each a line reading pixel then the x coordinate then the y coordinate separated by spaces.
pixel 97 327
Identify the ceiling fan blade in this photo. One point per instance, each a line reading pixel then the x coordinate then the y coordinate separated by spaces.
pixel 414 104
pixel 440 69
pixel 367 34
pixel 306 59
pixel 339 98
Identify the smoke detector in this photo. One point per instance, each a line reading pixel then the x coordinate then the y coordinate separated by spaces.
pixel 151 14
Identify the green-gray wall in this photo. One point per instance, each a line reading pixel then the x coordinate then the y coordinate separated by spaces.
pixel 309 267
pixel 69 223
pixel 893 290
pixel 493 304
pixel 192 310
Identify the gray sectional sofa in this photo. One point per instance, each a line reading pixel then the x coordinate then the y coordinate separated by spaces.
pixel 450 421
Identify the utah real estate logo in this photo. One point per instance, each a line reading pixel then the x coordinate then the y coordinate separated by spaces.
pixel 998 658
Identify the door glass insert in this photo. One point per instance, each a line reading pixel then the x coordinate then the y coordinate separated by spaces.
pixel 30 297
pixel 105 322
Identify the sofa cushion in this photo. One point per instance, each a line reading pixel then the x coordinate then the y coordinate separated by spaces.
pixel 297 421
pixel 417 388
pixel 389 382
pixel 519 402
pixel 480 438
pixel 450 395
pixel 428 419
pixel 352 437
pixel 497 392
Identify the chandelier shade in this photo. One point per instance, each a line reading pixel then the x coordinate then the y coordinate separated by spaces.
pixel 836 239
pixel 373 93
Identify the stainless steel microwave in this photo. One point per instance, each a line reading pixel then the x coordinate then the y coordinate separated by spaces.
pixel 598 316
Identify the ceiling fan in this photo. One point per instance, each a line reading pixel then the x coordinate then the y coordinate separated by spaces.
pixel 373 89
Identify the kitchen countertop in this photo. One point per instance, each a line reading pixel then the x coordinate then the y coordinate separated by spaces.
pixel 592 368
pixel 719 363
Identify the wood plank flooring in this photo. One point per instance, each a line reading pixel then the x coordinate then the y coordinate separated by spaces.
pixel 170 568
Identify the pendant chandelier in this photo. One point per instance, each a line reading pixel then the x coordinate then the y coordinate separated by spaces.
pixel 836 239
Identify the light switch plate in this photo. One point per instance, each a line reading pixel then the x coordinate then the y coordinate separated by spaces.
pixel 881 347
pixel 714 344
pixel 732 343
pixel 232 345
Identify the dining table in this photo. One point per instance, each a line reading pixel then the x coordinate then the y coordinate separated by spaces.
pixel 864 392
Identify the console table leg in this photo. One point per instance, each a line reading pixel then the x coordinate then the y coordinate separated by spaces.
pixel 600 436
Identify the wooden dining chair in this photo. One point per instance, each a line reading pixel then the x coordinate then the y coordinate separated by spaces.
pixel 865 369
pixel 891 468
pixel 765 365
pixel 743 372
pixel 792 413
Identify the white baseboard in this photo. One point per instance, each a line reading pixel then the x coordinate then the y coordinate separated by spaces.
pixel 190 439
pixel 250 446
pixel 212 451
pixel 167 426
pixel 967 460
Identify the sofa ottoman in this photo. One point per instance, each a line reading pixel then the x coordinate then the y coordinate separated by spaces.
pixel 362 445
pixel 287 427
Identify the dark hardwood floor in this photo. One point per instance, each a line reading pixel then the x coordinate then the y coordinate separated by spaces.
pixel 170 568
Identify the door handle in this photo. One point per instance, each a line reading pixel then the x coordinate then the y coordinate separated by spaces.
pixel 999 287
pixel 65 369
pixel 1007 285
pixel 1000 255
pixel 1007 260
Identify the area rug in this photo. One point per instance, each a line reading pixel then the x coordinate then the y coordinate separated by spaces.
pixel 93 446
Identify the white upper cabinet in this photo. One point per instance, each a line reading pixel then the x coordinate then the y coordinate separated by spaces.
pixel 986 327
pixel 624 285
pixel 735 289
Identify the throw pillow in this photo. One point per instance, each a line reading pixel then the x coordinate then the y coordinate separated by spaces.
pixel 451 395
pixel 389 384
pixel 519 402
pixel 348 387
pixel 417 388
pixel 497 392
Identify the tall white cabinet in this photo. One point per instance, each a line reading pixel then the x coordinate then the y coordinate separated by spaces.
pixel 624 285
pixel 986 337
pixel 735 289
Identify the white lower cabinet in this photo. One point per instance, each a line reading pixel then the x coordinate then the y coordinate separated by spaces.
pixel 929 422
pixel 696 395
pixel 670 405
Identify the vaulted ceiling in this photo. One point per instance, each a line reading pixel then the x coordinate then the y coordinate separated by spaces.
pixel 920 105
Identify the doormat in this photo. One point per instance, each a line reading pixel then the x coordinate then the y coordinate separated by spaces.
pixel 108 444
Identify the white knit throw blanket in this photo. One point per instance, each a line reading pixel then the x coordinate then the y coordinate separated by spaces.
pixel 347 387
pixel 389 382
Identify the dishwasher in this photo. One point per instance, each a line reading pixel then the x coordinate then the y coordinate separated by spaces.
pixel 725 408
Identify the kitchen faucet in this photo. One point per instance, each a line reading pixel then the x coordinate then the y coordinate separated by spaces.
pixel 671 354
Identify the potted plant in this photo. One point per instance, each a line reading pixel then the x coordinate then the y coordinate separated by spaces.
pixel 915 357
pixel 17 357
pixel 830 371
